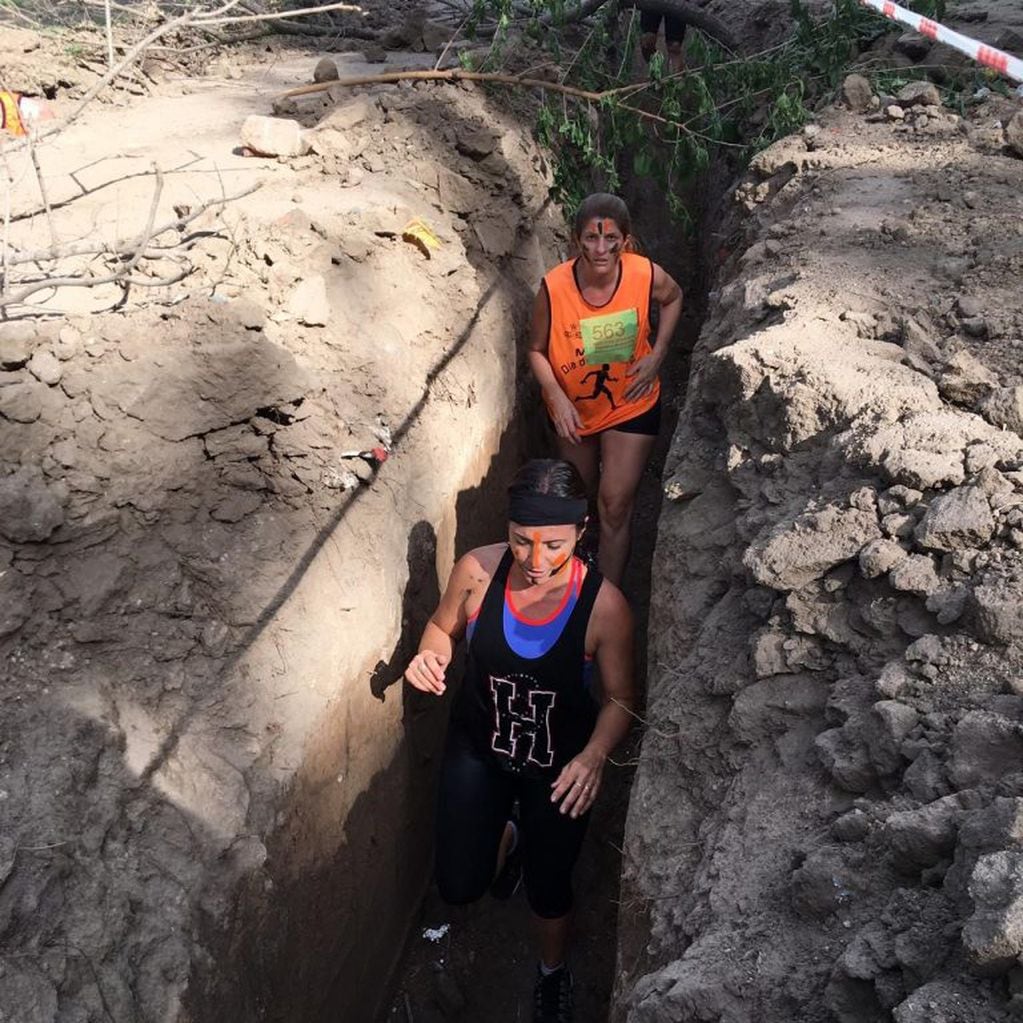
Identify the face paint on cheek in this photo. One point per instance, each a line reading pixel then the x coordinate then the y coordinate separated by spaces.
pixel 560 565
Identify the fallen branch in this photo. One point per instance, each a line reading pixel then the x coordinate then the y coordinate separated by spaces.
pixel 125 246
pixel 451 75
pixel 135 250
pixel 301 12
pixel 494 78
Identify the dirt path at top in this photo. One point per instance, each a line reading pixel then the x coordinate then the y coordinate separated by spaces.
pixel 99 171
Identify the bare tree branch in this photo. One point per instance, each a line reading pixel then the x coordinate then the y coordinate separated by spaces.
pixel 301 12
pixel 135 249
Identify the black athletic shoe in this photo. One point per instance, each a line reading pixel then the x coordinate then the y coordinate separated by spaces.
pixel 553 996
pixel 509 880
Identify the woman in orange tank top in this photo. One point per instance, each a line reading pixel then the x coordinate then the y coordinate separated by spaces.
pixel 591 353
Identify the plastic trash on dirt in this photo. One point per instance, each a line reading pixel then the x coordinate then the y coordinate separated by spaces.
pixel 419 233
pixel 435 934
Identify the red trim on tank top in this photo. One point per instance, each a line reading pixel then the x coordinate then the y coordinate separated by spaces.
pixel 575 583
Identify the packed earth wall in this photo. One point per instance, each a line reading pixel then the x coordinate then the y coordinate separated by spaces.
pixel 225 522
pixel 825 823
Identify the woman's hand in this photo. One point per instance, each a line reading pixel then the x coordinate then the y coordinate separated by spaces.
pixel 644 375
pixel 579 782
pixel 565 416
pixel 426 671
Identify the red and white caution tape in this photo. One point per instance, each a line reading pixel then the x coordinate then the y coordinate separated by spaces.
pixel 1006 63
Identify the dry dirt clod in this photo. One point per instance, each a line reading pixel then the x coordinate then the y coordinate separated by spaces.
pixel 273 136
pixel 856 93
pixel 919 94
pixel 1014 133
pixel 325 71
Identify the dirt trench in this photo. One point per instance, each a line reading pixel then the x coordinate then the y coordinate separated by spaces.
pixel 210 586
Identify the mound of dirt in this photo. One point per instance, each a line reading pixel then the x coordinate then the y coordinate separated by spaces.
pixel 824 824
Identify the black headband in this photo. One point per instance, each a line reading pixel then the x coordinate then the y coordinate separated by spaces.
pixel 546 510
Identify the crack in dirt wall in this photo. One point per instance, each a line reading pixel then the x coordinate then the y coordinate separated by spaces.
pixel 824 824
pixel 215 796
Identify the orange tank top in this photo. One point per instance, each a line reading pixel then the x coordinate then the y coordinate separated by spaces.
pixel 10 115
pixel 590 348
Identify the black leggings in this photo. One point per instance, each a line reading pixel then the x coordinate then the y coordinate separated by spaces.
pixel 474 803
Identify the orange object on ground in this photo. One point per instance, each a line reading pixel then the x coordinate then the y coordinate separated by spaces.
pixel 10 113
pixel 590 348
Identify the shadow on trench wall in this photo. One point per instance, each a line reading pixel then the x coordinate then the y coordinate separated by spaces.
pixel 364 899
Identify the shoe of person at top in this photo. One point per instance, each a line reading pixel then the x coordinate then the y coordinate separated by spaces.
pixel 552 996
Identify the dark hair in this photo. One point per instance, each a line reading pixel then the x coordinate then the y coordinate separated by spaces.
pixel 549 476
pixel 601 205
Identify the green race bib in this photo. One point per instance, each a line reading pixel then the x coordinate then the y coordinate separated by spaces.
pixel 610 338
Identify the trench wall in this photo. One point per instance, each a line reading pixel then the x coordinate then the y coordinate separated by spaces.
pixel 824 819
pixel 216 792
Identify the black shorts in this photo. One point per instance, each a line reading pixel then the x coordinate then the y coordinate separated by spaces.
pixel 474 801
pixel 648 423
pixel 674 27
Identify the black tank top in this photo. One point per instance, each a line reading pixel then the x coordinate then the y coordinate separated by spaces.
pixel 531 714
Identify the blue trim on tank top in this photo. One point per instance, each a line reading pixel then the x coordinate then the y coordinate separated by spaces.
pixel 531 641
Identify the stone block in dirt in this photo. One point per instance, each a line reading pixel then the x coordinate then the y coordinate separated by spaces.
pixel 961 518
pixel 350 113
pixel 993 608
pixel 31 509
pixel 325 70
pixel 965 380
pixel 845 756
pixel 795 553
pixel 856 93
pixel 274 136
pixel 17 342
pixel 1014 133
pixel 993 936
pixel 879 556
pixel 915 574
pixel 46 367
pixel 892 722
pixel 824 884
pixel 985 747
pixel 913 45
pixel 1004 407
pixel 22 402
pixel 922 837
pixel 919 94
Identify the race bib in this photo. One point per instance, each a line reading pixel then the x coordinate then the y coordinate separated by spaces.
pixel 610 338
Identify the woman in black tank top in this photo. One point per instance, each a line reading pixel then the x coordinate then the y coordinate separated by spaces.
pixel 529 736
